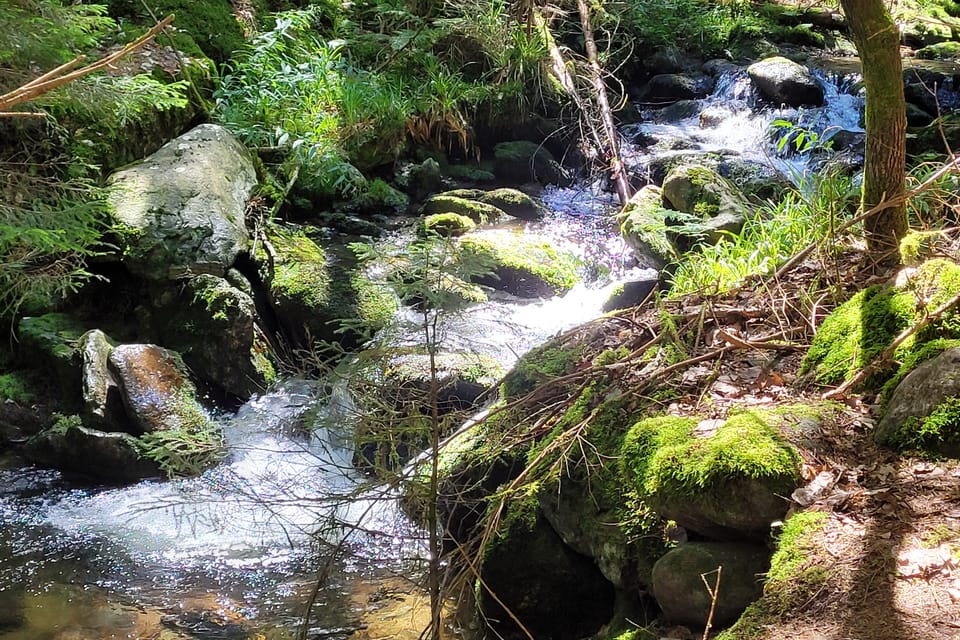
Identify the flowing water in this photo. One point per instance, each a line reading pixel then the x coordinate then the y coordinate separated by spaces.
pixel 234 553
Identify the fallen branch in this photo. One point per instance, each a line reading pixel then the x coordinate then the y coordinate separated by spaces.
pixel 887 354
pixel 67 73
pixel 714 592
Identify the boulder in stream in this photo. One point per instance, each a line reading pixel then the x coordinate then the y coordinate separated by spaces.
pixel 156 389
pixel 523 161
pixel 181 210
pixel 49 342
pixel 102 400
pixel 523 265
pixel 643 224
pixel 678 86
pixel 715 203
pixel 680 590
pixel 784 81
pixel 464 202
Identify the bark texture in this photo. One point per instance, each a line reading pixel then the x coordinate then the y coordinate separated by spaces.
pixel 878 43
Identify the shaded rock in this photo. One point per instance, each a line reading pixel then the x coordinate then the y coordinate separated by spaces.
pixel 676 86
pixel 109 456
pixel 670 60
pixel 785 82
pixel 50 342
pixel 213 326
pixel 522 161
pixel 754 178
pixel 924 411
pixel 555 592
pixel 12 607
pixel 680 591
pixel 679 110
pixel 633 289
pixel 102 400
pixel 514 203
pixel 479 212
pixel 181 211
pixel 701 192
pixel 643 224
pixel 524 265
pixel 157 393
pixel 930 139
pixel 917 116
pixel 420 180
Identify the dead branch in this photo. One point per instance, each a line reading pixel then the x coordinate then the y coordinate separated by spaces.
pixel 66 73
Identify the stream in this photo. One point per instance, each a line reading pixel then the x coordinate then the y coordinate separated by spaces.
pixel 234 553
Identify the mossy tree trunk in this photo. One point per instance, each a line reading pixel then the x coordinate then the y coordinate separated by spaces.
pixel 878 42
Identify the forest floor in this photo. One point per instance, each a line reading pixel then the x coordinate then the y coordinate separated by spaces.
pixel 887 560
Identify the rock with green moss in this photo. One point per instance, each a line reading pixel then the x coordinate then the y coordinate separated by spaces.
pixel 313 291
pixel 524 161
pixel 446 225
pixel 514 203
pixel 853 335
pixel 50 342
pixel 70 446
pixel 471 173
pixel 102 398
pixel 214 326
pixel 553 591
pixel 461 378
pixel 724 481
pixel 714 204
pixel 937 137
pixel 479 212
pixel 923 412
pixel 643 224
pixel 420 181
pixel 378 197
pixel 523 265
pixel 539 366
pixel 940 51
pixel 679 588
pixel 156 389
pixel 635 288
pixel 181 211
pixel 211 27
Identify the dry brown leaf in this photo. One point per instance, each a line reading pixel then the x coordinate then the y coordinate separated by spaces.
pixel 922 563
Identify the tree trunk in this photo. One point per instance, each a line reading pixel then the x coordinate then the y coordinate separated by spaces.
pixel 878 42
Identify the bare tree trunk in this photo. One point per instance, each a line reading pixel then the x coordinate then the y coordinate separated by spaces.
pixel 878 42
pixel 600 90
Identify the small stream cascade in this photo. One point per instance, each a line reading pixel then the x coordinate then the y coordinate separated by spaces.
pixel 233 554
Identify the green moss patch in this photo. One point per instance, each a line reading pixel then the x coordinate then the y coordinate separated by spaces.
pixel 861 328
pixel 446 225
pixel 299 268
pixel 537 367
pixel 479 212
pixel 940 51
pixel 523 265
pixel 14 387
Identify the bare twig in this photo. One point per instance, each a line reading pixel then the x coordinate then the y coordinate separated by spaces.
pixel 66 73
pixel 714 592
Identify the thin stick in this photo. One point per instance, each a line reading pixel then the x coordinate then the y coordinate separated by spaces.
pixel 713 598
pixel 887 354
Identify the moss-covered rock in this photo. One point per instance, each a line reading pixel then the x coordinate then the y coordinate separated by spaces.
pixel 523 265
pixel 679 588
pixel 714 204
pixel 446 225
pixel 49 342
pixel 643 224
pixel 726 484
pixel 934 137
pixel 379 197
pixel 514 203
pixel 553 591
pixel 858 330
pixel 311 291
pixel 479 212
pixel 940 51
pixel 538 366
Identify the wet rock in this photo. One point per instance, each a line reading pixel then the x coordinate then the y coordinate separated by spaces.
pixel 102 401
pixel 213 326
pixel 446 225
pixel 11 608
pixel 714 116
pixel 181 211
pixel 524 265
pixel 679 110
pixel 633 289
pixel 680 591
pixel 923 410
pixel 156 391
pixel 108 456
pixel 785 82
pixel 643 224
pixel 514 203
pixel 523 161
pixel 930 139
pixel 421 180
pixel 555 592
pixel 754 179
pixel 676 86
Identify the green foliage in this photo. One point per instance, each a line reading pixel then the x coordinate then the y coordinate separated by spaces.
pixel 770 236
pixel 63 423
pixel 14 388
pixel 45 33
pixel 538 366
pixel 935 432
pixel 186 451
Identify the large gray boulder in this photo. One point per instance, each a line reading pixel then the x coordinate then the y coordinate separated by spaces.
pixel 682 595
pixel 156 390
pixel 922 412
pixel 785 82
pixel 181 210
